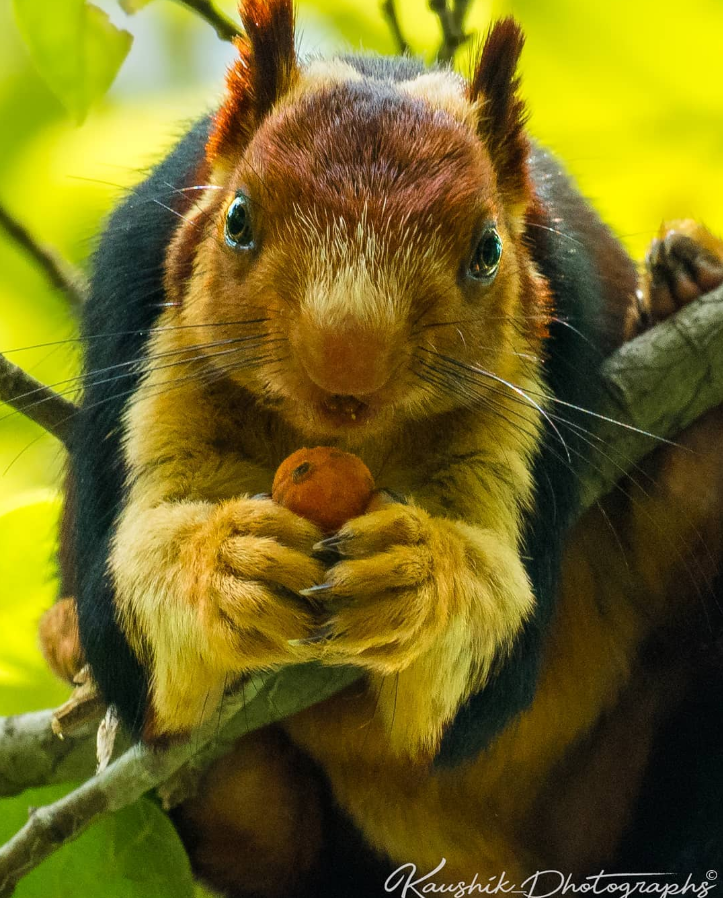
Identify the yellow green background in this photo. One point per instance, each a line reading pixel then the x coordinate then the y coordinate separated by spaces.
pixel 628 94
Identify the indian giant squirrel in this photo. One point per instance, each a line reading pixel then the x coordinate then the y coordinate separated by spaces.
pixel 373 254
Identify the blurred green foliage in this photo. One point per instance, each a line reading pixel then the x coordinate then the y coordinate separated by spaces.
pixel 75 47
pixel 107 853
pixel 627 93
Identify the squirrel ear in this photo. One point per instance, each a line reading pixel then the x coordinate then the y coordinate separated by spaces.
pixel 494 85
pixel 263 72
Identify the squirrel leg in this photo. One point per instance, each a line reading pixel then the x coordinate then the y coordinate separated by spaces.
pixel 225 603
pixel 423 603
pixel 254 828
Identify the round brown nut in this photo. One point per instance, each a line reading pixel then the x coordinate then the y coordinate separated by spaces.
pixel 323 485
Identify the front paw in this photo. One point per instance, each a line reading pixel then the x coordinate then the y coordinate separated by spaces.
pixel 389 596
pixel 256 564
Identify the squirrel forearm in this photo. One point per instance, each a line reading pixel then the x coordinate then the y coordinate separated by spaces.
pixel 206 592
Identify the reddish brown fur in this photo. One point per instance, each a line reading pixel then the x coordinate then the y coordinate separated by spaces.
pixel 495 84
pixel 264 70
pixel 426 175
pixel 257 818
pixel 383 177
pixel 233 122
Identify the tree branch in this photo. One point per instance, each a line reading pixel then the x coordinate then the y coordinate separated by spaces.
pixel 257 703
pixel 451 20
pixel 131 776
pixel 222 25
pixel 36 401
pixel 389 12
pixel 655 387
pixel 32 755
pixel 61 275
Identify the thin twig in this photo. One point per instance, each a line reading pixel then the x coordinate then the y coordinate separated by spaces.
pixel 41 404
pixel 459 11
pixel 451 20
pixel 61 275
pixel 141 769
pixel 389 11
pixel 222 25
pixel 122 783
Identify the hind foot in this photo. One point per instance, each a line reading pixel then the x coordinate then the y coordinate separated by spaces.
pixel 683 263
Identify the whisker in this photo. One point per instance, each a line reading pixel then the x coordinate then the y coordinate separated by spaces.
pixel 515 389
pixel 149 330
pixel 475 370
pixel 588 438
pixel 534 224
pixel 253 341
pixel 88 375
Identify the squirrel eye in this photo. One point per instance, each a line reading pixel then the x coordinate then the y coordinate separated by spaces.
pixel 486 257
pixel 238 231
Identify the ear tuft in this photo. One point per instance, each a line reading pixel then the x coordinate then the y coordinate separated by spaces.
pixel 263 72
pixel 494 86
pixel 269 26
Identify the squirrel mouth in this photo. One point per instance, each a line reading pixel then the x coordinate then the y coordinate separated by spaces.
pixel 345 411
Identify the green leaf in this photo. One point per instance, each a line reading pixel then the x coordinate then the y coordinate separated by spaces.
pixel 133 6
pixel 76 48
pixel 134 853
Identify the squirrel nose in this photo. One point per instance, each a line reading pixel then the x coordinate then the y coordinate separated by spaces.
pixel 351 362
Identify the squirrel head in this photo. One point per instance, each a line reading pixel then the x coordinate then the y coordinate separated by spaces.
pixel 370 215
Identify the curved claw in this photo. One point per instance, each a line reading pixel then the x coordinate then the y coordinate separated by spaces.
pixel 322 634
pixel 313 591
